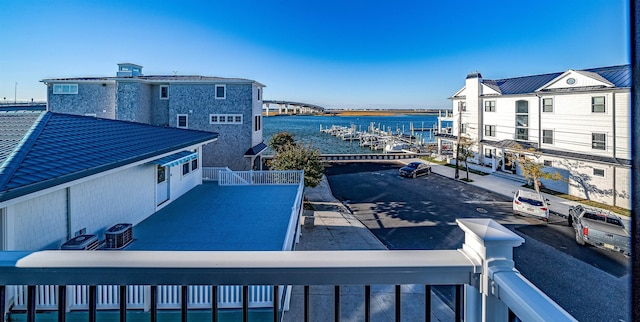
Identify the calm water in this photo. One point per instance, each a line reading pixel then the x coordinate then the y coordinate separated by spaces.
pixel 306 129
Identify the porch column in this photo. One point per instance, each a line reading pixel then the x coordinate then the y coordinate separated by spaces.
pixel 492 245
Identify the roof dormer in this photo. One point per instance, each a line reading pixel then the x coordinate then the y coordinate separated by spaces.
pixel 129 70
pixel 576 79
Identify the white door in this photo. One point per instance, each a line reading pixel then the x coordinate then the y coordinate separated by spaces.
pixel 162 187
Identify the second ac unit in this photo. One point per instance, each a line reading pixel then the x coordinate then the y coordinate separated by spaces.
pixel 118 236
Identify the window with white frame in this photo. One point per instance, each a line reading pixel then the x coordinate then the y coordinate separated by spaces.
pixel 221 91
pixel 463 129
pixel 547 105
pixel 462 106
pixel 259 93
pixel 547 136
pixel 65 89
pixel 164 92
pixel 488 153
pixel 185 168
pixel 183 121
pixel 225 118
pixel 598 141
pixel 522 120
pixel 597 104
pixel 598 172
pixel 257 123
pixel 490 106
pixel 490 130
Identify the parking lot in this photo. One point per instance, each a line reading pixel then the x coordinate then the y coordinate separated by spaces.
pixel 420 214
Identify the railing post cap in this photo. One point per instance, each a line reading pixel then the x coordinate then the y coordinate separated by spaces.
pixel 489 232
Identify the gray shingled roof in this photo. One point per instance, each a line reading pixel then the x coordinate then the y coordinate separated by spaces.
pixel 620 76
pixel 43 149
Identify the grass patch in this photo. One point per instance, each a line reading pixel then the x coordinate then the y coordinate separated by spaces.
pixel 434 160
pixel 591 203
pixel 470 170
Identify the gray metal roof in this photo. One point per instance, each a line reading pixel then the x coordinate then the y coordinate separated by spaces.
pixel 620 76
pixel 44 149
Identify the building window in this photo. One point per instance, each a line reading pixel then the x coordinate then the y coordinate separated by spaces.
pixel 259 93
pixel 463 129
pixel 489 130
pixel 183 121
pixel 598 141
pixel 547 105
pixel 185 168
pixel 597 104
pixel 522 120
pixel 257 123
pixel 547 136
pixel 490 106
pixel 462 106
pixel 194 164
pixel 548 163
pixel 221 91
pixel 488 153
pixel 598 172
pixel 65 88
pixel 225 118
pixel 162 174
pixel 164 92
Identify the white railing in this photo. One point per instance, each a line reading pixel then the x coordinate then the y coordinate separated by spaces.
pixel 483 267
pixel 229 178
pixel 138 297
pixel 212 173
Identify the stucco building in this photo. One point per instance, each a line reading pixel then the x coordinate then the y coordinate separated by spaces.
pixel 578 121
pixel 231 107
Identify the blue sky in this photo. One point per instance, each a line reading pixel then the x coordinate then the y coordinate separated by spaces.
pixel 355 54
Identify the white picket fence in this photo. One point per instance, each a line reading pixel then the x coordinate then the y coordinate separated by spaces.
pixel 138 297
pixel 212 173
pixel 232 178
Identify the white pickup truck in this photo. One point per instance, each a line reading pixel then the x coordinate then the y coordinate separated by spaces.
pixel 600 229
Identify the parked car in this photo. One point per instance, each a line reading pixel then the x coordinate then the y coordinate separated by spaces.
pixel 600 229
pixel 530 203
pixel 414 169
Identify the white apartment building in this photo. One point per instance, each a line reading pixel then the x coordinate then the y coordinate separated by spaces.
pixel 579 121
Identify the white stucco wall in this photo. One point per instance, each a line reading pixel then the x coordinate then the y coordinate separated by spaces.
pixel 37 223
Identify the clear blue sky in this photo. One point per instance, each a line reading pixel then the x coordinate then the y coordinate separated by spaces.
pixel 334 53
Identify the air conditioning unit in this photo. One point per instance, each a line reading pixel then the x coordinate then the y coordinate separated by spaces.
pixel 82 242
pixel 118 236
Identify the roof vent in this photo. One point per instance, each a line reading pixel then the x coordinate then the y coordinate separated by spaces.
pixel 129 70
pixel 118 236
pixel 82 242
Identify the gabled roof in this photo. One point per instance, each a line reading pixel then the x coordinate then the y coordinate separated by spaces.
pixel 39 150
pixel 619 76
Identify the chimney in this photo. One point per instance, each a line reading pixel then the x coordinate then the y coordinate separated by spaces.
pixel 129 70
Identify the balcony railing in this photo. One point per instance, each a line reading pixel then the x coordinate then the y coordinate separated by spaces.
pixel 234 178
pixel 482 270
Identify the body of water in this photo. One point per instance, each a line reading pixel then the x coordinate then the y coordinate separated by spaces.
pixel 306 129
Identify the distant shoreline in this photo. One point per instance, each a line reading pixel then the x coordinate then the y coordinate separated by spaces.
pixel 366 113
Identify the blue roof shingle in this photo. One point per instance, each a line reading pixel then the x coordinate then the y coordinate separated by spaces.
pixel 43 149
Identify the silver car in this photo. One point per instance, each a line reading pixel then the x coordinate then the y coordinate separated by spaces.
pixel 530 203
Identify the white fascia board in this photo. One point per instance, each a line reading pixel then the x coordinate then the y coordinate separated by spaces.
pixel 459 92
pixel 97 175
pixel 77 81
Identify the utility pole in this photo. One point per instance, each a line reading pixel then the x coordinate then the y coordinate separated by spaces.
pixel 457 175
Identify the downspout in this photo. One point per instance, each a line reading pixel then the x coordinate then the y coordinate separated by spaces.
pixel 613 113
pixel 68 191
pixel 539 121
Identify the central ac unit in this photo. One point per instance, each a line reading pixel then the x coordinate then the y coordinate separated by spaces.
pixel 118 236
pixel 82 242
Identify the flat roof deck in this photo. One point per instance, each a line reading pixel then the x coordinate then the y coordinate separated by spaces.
pixel 212 217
